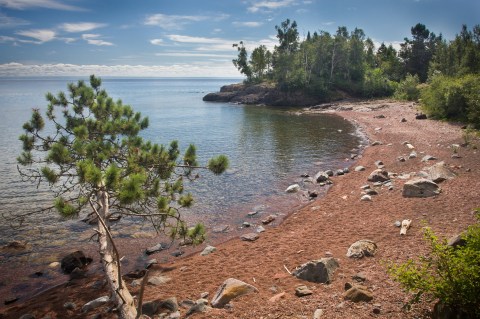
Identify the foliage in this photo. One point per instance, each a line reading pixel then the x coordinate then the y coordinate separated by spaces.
pixel 408 88
pixel 376 84
pixel 453 98
pixel 449 274
pixel 92 145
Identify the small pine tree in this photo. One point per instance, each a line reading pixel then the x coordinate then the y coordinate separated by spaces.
pixel 95 160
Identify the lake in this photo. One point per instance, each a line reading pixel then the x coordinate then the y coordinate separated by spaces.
pixel 269 148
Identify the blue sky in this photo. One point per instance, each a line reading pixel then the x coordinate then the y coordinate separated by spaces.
pixel 192 37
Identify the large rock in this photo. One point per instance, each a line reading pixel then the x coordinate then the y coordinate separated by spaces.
pixel 230 289
pixel 321 177
pixel 293 188
pixel 320 270
pixel 378 175
pixel 362 248
pixel 77 259
pixel 420 187
pixel 439 172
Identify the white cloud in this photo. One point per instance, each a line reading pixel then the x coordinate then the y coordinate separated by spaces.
pixel 250 24
pixel 328 23
pixel 195 54
pixel 80 27
pixel 94 40
pixel 157 41
pixel 189 39
pixel 269 5
pixel 41 35
pixel 11 22
pixel 4 39
pixel 205 69
pixel 48 4
pixel 172 22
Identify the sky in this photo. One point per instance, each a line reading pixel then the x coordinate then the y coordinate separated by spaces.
pixel 192 38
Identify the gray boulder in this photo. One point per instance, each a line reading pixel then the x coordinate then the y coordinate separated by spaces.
pixel 420 187
pixel 320 270
pixel 208 250
pixel 361 248
pixel 321 177
pixel 249 237
pixel 439 172
pixel 95 303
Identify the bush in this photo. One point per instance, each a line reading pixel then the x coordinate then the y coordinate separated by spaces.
pixel 376 84
pixel 451 275
pixel 408 89
pixel 455 98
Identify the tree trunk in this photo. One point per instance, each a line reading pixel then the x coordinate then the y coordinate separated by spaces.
pixel 120 294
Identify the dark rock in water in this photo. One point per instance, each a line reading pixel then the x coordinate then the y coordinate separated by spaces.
pixel 312 194
pixel 74 260
pixel 321 177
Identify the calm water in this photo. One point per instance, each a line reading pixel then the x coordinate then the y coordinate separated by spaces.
pixel 269 148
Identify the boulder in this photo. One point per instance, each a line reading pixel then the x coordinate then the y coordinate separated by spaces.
pixel 320 271
pixel 156 248
pixel 358 293
pixel 439 172
pixel 77 259
pixel 362 248
pixel 158 280
pixel 269 219
pixel 378 175
pixel 359 168
pixel 420 187
pixel 230 289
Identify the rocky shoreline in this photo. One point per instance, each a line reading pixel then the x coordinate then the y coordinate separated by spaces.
pixel 261 94
pixel 348 235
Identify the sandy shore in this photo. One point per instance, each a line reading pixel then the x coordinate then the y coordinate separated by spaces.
pixel 328 226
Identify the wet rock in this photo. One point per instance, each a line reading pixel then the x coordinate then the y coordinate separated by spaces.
pixel 319 271
pixel 269 219
pixel 208 250
pixel 312 194
pixel 321 177
pixel 339 172
pixel 293 188
pixel 230 289
pixel 77 259
pixel 249 237
pixel 329 172
pixel 420 187
pixel 260 229
pixel 302 291
pixel 362 248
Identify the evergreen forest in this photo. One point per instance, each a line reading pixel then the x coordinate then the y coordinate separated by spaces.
pixel 443 75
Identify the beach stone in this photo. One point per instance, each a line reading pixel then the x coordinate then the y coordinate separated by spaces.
pixel 398 224
pixel 413 154
pixel 339 172
pixel 177 253
pixel 158 280
pixel 246 224
pixel 359 168
pixel 375 143
pixel 403 120
pixel 329 172
pixel 230 289
pixel 302 291
pixel 150 262
pixel 379 164
pixel 169 304
pixel 366 198
pixel 360 277
pixel 361 248
pixel 208 250
pixel 69 305
pixel 365 187
pixel 358 293
pixel 95 303
pixel 371 192
pixel 77 259
pixel 312 194
pixel 260 229
pixel 401 159
pixel 378 175
pixel 251 214
pixel 293 188
pixel 321 177
pixel 197 308
pixel 150 308
pixel 269 219
pixel 156 248
pixel 439 172
pixel 427 158
pixel 221 229
pixel 249 237
pixel 318 314
pixel 320 271
pixel 420 187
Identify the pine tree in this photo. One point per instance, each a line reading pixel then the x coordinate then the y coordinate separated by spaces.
pixel 94 160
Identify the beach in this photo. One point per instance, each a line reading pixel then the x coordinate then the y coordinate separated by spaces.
pixel 324 228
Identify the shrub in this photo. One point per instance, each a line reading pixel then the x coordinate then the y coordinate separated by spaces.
pixel 451 275
pixel 455 98
pixel 376 84
pixel 408 89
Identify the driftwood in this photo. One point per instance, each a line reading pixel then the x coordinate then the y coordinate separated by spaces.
pixel 405 226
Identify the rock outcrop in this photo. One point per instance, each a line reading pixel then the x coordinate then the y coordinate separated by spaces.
pixel 320 271
pixel 230 289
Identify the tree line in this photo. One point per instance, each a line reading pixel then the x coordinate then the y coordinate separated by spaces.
pixel 329 66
